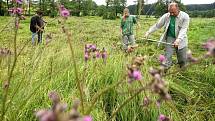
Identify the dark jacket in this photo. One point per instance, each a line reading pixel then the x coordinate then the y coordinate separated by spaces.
pixel 35 20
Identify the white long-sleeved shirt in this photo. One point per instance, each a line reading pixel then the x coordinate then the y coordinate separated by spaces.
pixel 181 26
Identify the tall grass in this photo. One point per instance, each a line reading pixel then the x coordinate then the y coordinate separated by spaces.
pixel 43 68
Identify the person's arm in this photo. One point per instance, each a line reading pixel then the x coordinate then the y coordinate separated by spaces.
pixel 43 21
pixel 184 28
pixel 39 25
pixel 158 25
pixel 135 21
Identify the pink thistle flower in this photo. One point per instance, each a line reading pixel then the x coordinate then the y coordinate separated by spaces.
pixel 5 51
pixel 93 47
pixel 45 115
pixel 130 76
pixel 15 10
pixel 137 75
pixel 146 101
pixel 97 54
pixel 162 58
pixel 88 46
pixel 87 118
pixel 190 56
pixel 163 118
pixel 62 7
pixel 19 10
pixel 210 47
pixel 54 97
pixel 158 103
pixel 86 56
pixel 209 44
pixel 65 13
pixel 19 1
pixel 50 116
pixel 40 113
pixel 167 96
pixel 104 54
pixel 158 77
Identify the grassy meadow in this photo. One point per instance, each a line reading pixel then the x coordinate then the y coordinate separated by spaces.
pixel 43 68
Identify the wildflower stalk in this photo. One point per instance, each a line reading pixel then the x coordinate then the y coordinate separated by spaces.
pixel 75 69
pixel 6 26
pixel 97 95
pixel 172 106
pixel 10 73
pixel 144 91
pixel 16 90
pixel 68 34
pixel 125 103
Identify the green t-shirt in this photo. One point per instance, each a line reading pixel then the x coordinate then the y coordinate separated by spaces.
pixel 127 25
pixel 171 29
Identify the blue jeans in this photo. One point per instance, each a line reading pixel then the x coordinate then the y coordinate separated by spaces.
pixel 39 37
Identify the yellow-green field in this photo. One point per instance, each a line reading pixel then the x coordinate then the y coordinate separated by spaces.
pixel 43 68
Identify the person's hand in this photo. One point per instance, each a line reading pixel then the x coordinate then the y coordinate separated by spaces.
pixel 123 17
pixel 176 43
pixel 146 35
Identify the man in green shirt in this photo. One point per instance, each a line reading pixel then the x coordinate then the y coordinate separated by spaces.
pixel 127 23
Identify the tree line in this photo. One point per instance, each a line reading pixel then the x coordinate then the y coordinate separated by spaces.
pixel 76 7
pixel 111 10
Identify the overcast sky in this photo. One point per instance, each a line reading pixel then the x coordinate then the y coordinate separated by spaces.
pixel 131 2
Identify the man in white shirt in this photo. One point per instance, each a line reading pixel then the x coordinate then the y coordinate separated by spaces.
pixel 175 24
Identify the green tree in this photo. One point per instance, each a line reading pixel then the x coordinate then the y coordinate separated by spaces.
pixel 89 7
pixel 100 11
pixel 161 6
pixel 113 7
pixel 1 6
pixel 140 7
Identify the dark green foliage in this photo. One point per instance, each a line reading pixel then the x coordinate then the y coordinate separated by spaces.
pixel 204 14
pixel 200 7
pixel 109 15
pixel 89 8
pixel 3 10
pixel 200 10
pixel 160 8
pixel 113 8
pixel 100 10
